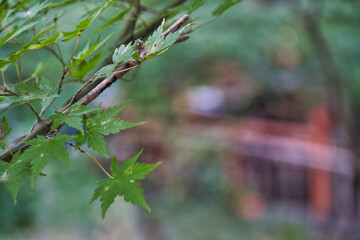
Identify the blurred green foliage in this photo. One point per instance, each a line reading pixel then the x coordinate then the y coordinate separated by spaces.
pixel 251 35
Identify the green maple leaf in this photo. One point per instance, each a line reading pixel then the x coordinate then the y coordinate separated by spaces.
pixel 120 16
pixel 42 149
pixel 46 42
pixel 32 91
pixel 15 172
pixel 120 56
pixel 154 38
pixel 124 184
pixel 4 131
pixel 106 70
pixel 157 43
pixel 73 117
pixel 99 124
pixel 16 32
pixel 124 53
pixel 225 5
pixel 87 51
pixel 85 23
pixel 85 67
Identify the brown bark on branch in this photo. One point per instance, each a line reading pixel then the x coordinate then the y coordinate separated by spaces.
pixel 182 38
pixel 176 26
pixel 94 93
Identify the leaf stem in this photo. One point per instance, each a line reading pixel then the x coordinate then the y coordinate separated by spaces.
pixel 8 148
pixel 3 87
pixel 3 76
pixel 54 105
pixel 38 118
pixel 92 157
pixel 124 70
pixel 18 72
pixel 73 53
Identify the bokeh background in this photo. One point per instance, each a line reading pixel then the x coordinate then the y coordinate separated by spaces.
pixel 255 119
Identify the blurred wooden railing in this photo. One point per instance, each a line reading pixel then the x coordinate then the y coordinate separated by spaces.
pixel 284 161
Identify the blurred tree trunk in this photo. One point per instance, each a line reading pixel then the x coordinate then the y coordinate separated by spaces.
pixel 335 98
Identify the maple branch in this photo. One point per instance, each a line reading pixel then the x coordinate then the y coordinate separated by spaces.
pixel 176 25
pixel 94 93
pixel 88 96
pixel 19 143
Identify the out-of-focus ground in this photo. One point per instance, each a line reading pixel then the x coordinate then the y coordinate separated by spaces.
pixel 253 118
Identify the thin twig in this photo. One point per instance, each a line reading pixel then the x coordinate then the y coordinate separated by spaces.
pixel 55 54
pixel 61 57
pixel 78 92
pixel 38 118
pixel 92 157
pixel 65 73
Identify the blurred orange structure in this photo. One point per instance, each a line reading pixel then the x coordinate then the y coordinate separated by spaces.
pixel 285 161
pixel 319 129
